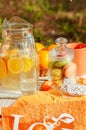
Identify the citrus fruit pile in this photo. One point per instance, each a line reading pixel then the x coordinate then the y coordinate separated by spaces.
pixel 43 53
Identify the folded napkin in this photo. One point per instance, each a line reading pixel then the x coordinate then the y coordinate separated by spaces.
pixel 45 111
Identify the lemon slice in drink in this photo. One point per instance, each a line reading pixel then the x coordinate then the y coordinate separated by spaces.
pixel 14 65
pixel 28 64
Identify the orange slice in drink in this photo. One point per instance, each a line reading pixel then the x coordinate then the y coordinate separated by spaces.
pixel 3 70
pixel 14 65
pixel 28 64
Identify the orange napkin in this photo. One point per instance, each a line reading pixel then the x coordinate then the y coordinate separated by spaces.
pixel 45 111
pixel 0 123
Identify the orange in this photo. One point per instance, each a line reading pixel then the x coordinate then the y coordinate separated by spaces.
pixel 43 58
pixel 52 46
pixel 39 46
pixel 14 65
pixel 3 70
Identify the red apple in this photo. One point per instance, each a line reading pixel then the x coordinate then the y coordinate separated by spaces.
pixel 46 85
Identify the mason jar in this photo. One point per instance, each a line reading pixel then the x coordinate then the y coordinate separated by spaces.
pixel 61 63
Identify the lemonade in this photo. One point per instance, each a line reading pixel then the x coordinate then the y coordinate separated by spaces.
pixel 28 85
pixel 10 71
pixel 29 75
pixel 18 65
pixel 18 54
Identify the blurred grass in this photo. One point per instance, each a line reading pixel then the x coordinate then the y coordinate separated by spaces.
pixel 51 19
pixel 0 29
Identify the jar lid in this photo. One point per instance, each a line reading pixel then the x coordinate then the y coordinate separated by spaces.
pixel 61 51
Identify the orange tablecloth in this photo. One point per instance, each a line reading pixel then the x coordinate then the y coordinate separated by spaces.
pixel 46 108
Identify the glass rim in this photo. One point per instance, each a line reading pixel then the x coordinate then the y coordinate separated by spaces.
pixel 17 26
pixel 17 29
pixel 8 24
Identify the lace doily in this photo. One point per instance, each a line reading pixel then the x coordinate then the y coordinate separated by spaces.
pixel 72 88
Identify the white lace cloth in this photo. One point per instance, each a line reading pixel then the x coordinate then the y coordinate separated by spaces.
pixel 71 87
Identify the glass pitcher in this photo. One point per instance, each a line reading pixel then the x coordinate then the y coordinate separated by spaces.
pixel 61 63
pixel 17 52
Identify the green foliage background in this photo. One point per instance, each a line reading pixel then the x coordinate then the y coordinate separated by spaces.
pixel 51 18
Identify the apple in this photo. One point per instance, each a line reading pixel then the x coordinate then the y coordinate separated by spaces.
pixel 46 85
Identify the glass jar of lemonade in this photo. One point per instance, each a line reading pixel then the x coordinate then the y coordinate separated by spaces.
pixel 17 37
pixel 61 63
